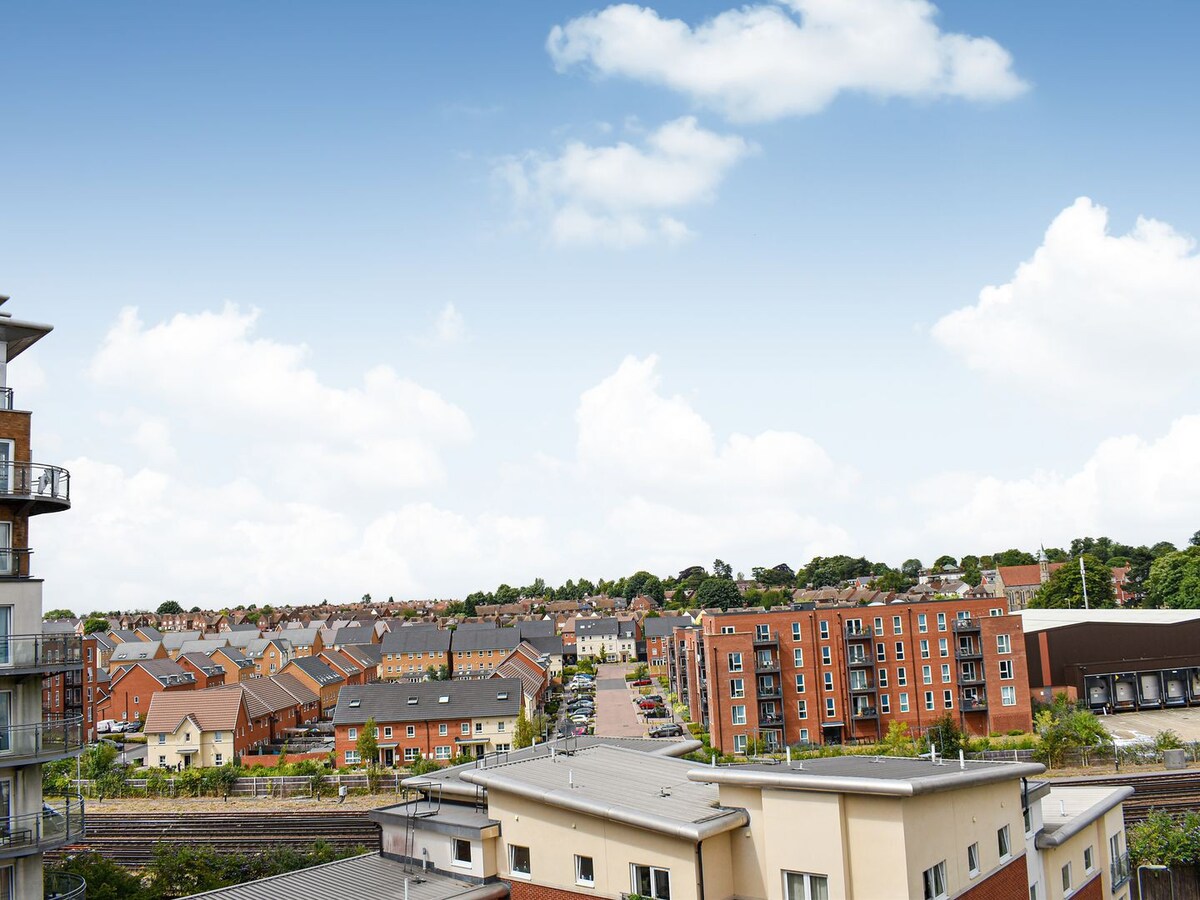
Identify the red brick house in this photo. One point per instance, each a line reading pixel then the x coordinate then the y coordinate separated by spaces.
pixel 132 686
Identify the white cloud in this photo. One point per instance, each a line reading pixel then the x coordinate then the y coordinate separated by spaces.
pixel 766 61
pixel 622 195
pixel 1091 317
pixel 1131 488
pixel 449 327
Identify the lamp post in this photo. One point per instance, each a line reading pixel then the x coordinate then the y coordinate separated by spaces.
pixel 1156 869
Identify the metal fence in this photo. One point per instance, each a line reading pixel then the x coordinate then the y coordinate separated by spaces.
pixel 280 786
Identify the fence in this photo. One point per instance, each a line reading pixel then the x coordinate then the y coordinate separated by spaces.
pixel 279 786
pixel 1179 883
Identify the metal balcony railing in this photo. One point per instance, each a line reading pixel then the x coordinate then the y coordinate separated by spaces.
pixel 6 398
pixel 973 651
pixel 966 625
pixel 772 721
pixel 865 659
pixel 862 688
pixel 47 486
pixel 1121 870
pixel 969 677
pixel 14 563
pixel 974 704
pixel 771 638
pixel 27 653
pixel 63 886
pixel 766 665
pixel 866 712
pixel 859 631
pixel 59 822
pixel 53 737
pixel 769 693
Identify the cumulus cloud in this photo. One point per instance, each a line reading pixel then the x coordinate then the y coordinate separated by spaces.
pixel 770 60
pixel 1119 314
pixel 622 195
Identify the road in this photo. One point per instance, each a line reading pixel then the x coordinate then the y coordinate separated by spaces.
pixel 616 716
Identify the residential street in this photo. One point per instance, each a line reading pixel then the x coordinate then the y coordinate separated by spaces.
pixel 616 716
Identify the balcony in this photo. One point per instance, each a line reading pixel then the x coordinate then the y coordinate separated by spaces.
pixel 970 651
pixel 14 563
pixel 39 487
pixel 52 739
pixel 770 639
pixel 60 822
pixel 6 399
pixel 1121 871
pixel 775 720
pixel 970 677
pixel 864 659
pixel 865 687
pixel 63 886
pixel 859 632
pixel 966 625
pixel 29 654
pixel 866 712
pixel 766 665
pixel 769 693
pixel 974 704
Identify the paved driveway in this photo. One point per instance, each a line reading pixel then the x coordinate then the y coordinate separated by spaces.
pixel 615 713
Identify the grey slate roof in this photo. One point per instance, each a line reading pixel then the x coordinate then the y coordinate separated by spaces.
pixel 317 670
pixel 366 655
pixel 553 644
pixel 367 877
pixel 485 639
pixel 354 634
pixel 390 701
pixel 151 632
pixel 235 627
pixel 536 628
pixel 416 640
pixel 203 662
pixel 234 655
pixel 125 635
pixel 167 672
pixel 661 626
pixel 59 626
pixel 200 646
pixel 605 627
pixel 134 651
pixel 173 640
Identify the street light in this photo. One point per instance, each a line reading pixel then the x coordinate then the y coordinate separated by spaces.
pixel 1150 868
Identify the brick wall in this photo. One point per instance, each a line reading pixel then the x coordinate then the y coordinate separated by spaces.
pixel 524 890
pixel 1010 883
pixel 1093 890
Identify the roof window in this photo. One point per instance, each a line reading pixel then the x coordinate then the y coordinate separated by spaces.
pixel 503 695
pixel 355 704
pixel 412 701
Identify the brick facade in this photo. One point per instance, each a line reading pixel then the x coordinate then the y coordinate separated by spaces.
pixel 524 890
pixel 1009 883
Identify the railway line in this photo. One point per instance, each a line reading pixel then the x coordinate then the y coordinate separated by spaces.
pixel 1169 791
pixel 129 839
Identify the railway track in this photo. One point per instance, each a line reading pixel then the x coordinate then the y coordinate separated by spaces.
pixel 1169 791
pixel 129 839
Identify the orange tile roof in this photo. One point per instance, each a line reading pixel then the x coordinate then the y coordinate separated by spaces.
pixel 214 709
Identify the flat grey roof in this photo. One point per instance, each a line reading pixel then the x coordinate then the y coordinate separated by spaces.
pixel 638 789
pixel 1067 810
pixel 893 775
pixel 366 877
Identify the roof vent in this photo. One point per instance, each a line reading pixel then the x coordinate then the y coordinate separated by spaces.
pixel 443 699
pixel 355 704
pixel 503 695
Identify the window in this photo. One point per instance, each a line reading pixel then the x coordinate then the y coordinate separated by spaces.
pixel 1033 894
pixel 136 698
pixel 941 621
pixel 899 650
pixel 442 752
pixel 411 754
pixel 826 659
pixel 829 681
pixel 352 758
pixel 411 731
pixel 1089 861
pixel 824 629
pixel 924 649
pixel 802 709
pixel 518 861
pixel 879 624
pixel 1028 821
pixel 800 684
pixel 881 651
pixel 1002 842
pixel 948 699
pixel 387 731
pixel 830 708
pixel 995 611
pixel 443 729
pixel 479 728
pixel 727 629
pixel 585 871
pixel 1003 643
pixel 803 886
pixel 885 703
pixel 352 733
pixel 162 762
pixel 737 713
pixel 162 738
pixel 466 727
pixel 926 675
pixel 1006 669
pixel 804 735
pixel 735 662
pixel 973 859
pixel 935 881
pixel 901 676
pixel 904 701
pixel 737 688
pixel 882 677
pixel 218 759
pixel 798 657
pixel 1008 696
pixel 922 624
pixel 945 673
pixel 462 852
pixel 739 743
pixel 929 700
pixel 897 627
pixel 1066 877
pixel 795 631
pixel 500 725
pixel 218 737
pixel 943 647
pixel 650 881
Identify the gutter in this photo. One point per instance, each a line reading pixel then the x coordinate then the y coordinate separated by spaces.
pixel 799 780
pixel 1046 841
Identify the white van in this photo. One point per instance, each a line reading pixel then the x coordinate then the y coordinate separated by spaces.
pixel 104 726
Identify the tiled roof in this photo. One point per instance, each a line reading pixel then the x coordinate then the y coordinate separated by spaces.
pixel 366 655
pixel 316 669
pixel 416 639
pixel 134 650
pixel 414 702
pixel 167 672
pixel 484 639
pixel 203 662
pixel 354 634
pixel 214 709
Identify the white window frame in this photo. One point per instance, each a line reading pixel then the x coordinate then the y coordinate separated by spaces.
pixel 656 889
pixel 734 662
pixel 933 881
pixel 1008 695
pixel 1003 843
pixel 805 886
pixel 579 876
pixel 973 859
pixel 737 714
pixel 737 688
pixel 512 862
pixel 458 860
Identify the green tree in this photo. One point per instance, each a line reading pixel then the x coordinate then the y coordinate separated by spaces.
pixel 1174 581
pixel 1194 540
pixel 105 879
pixel 719 593
pixel 169 608
pixel 367 744
pixel 911 568
pixel 97 760
pixel 780 575
pixel 722 569
pixel 1064 590
pixel 1014 557
pixel 944 561
pixel 523 734
pixel 58 614
pixel 892 581
pixel 95 624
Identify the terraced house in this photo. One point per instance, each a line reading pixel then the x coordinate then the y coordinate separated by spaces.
pixel 32 823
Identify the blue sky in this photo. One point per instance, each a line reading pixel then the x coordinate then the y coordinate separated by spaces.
pixel 343 178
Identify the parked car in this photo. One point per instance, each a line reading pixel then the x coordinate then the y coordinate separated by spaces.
pixel 658 713
pixel 104 726
pixel 647 704
pixel 133 727
pixel 661 731
pixel 657 698
pixel 580 719
pixel 642 682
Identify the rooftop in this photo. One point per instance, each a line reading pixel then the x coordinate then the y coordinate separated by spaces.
pixel 1045 619
pixel 1068 810
pixel 421 701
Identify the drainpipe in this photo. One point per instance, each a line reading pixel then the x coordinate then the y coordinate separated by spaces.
pixel 699 870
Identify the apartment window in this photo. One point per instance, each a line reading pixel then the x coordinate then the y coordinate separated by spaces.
pixel 650 881
pixel 735 662
pixel 929 700
pixel 462 852
pixel 352 758
pixel 941 621
pixel 218 759
pixel 218 737
pixel 943 647
pixel 352 734
pixel 1066 878
pixel 995 611
pixel 948 699
pixel 466 727
pixel 1033 894
pixel 795 631
pixel 1089 861
pixel 1002 843
pixel 802 709
pixel 1008 696
pixel 136 699
pixel 826 658
pixel 882 677
pixel 804 886
pixel 829 681
pixel 879 624
pixel 739 743
pixel 411 731
pixel 897 625
pixel 804 735
pixel 899 650
pixel 935 881
pixel 798 657
pixel 585 871
pixel 162 762
pixel 901 676
pixel 162 738
pixel 830 708
pixel 727 629
pixel 800 683
pixel 1028 821
pixel 922 624
pixel 885 703
pixel 443 729
pixel 926 675
pixel 737 688
pixel 973 860
pixel 881 651
pixel 1003 643
pixel 441 752
pixel 500 725
pixel 411 754
pixel 824 629
pixel 737 714
pixel 479 728
pixel 945 673
pixel 518 861
pixel 387 731
pixel 1006 669
pixel 924 649
pixel 904 701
